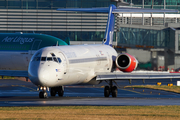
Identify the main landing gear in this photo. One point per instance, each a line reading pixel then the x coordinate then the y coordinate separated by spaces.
pixel 54 90
pixel 110 90
pixel 57 90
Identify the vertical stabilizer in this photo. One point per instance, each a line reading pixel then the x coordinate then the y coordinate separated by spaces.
pixel 108 38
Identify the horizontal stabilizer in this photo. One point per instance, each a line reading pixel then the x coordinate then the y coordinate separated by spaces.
pixel 108 39
pixel 93 10
pixel 142 10
pixel 119 10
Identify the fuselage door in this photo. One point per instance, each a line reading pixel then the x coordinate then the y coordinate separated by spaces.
pixel 64 61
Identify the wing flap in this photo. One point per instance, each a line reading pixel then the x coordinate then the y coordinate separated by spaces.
pixel 14 73
pixel 135 75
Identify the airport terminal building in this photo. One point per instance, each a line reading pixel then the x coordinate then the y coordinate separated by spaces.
pixel 153 38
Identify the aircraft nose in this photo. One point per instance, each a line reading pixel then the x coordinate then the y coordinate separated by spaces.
pixel 38 75
pixel 43 76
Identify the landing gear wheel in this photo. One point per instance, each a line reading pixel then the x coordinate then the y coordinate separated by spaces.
pixel 60 91
pixel 106 91
pixel 53 92
pixel 43 94
pixel 114 91
pixel 110 90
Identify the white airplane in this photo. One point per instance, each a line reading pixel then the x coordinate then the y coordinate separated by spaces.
pixel 56 66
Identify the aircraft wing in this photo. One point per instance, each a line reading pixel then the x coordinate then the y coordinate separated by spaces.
pixel 136 75
pixel 14 73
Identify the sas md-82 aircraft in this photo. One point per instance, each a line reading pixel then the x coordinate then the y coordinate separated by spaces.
pixel 56 66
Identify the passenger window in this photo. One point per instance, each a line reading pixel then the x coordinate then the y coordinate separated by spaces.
pixel 43 58
pixel 49 58
pixel 59 60
pixel 55 59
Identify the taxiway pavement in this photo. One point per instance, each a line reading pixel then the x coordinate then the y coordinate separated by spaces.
pixel 15 92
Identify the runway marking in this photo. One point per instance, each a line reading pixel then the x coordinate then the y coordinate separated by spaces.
pixel 32 89
pixel 134 91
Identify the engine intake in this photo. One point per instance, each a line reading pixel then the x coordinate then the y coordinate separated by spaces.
pixel 126 62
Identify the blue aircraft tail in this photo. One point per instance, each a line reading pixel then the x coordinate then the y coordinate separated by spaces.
pixel 108 38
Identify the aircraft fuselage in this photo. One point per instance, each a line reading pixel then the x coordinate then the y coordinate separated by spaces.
pixel 66 65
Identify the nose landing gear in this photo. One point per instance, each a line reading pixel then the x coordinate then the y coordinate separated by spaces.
pixel 43 92
pixel 54 90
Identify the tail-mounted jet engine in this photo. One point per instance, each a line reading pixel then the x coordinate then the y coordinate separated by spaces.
pixel 126 62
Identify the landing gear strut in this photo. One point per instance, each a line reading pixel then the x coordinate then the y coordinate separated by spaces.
pixel 57 90
pixel 110 90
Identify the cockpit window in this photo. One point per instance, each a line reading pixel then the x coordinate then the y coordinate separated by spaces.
pixel 59 60
pixel 49 58
pixel 43 58
pixel 53 54
pixel 36 59
pixel 55 59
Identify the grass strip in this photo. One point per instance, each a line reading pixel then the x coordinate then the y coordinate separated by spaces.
pixel 7 77
pixel 92 112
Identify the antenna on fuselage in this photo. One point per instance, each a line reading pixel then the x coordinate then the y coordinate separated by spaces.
pixel 57 44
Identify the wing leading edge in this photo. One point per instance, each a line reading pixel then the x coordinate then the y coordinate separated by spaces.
pixel 136 75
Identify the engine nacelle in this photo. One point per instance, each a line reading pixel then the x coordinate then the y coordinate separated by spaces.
pixel 126 62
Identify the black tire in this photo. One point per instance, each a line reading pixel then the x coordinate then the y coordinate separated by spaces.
pixel 43 94
pixel 114 91
pixel 53 92
pixel 106 91
pixel 60 91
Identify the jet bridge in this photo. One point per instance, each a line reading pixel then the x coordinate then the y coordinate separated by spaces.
pixel 163 42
